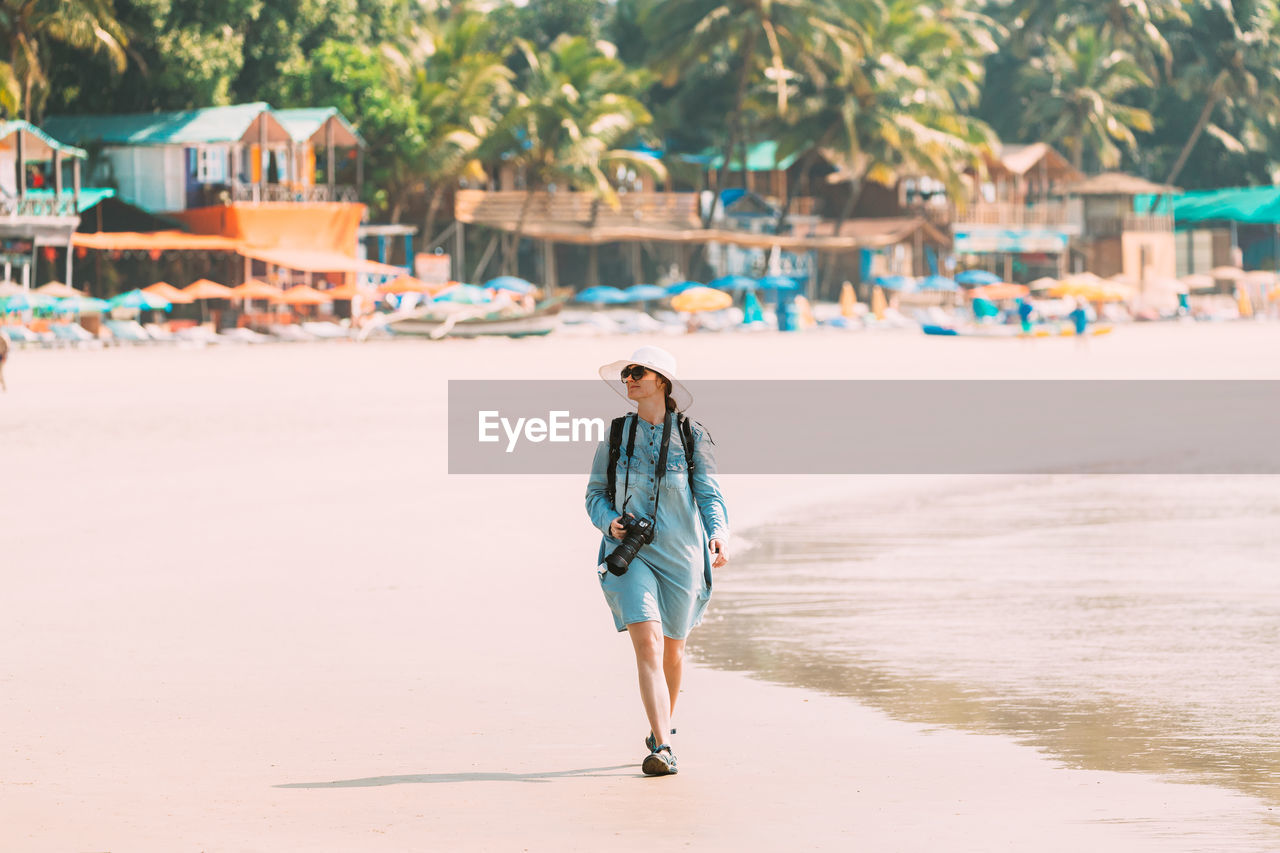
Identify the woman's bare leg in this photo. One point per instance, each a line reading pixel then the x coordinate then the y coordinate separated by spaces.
pixel 673 667
pixel 647 639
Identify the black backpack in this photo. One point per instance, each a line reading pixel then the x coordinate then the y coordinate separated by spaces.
pixel 684 424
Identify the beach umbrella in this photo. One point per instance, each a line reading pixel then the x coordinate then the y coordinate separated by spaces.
pixel 11 288
pixel 1227 273
pixel 938 282
pixel 407 284
pixel 27 302
pixel 602 295
pixel 302 295
pixel 1199 281
pixel 140 300
pixel 205 289
pixel 997 292
pixel 82 305
pixel 878 302
pixel 1263 277
pixel 977 277
pixel 464 294
pixel 734 283
pixel 510 283
pixel 58 290
pixel 848 300
pixel 645 292
pixel 894 282
pixel 701 299
pixel 1043 283
pixel 778 282
pixel 167 291
pixel 682 286
pixel 254 289
pixel 1099 291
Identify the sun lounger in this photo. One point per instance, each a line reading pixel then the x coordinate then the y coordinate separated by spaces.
pixel 198 335
pixel 290 332
pixel 24 337
pixel 326 331
pixel 159 333
pixel 128 331
pixel 74 335
pixel 245 336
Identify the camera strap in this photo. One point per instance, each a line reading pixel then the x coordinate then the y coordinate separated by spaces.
pixel 661 464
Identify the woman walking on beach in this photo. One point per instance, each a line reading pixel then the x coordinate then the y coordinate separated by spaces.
pixel 663 520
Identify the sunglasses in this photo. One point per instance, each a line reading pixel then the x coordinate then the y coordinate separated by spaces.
pixel 635 371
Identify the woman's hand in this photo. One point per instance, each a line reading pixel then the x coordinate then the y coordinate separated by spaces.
pixel 718 550
pixel 616 530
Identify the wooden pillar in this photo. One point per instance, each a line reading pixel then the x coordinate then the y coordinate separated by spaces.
pixel 75 185
pixel 263 157
pixel 70 252
pixel 331 166
pixel 57 177
pixel 549 265
pixel 20 164
pixel 459 252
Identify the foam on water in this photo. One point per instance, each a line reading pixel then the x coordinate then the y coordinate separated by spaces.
pixel 1120 623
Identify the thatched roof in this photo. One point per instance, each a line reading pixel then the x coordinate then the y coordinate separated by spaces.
pixel 1117 183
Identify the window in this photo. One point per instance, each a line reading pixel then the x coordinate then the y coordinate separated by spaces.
pixel 211 165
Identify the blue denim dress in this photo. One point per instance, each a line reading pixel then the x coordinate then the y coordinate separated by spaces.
pixel 669 580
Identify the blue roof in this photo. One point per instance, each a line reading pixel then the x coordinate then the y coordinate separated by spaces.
pixel 49 143
pixel 188 127
pixel 307 125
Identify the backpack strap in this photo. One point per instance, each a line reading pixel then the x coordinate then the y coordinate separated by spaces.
pixel 615 449
pixel 686 438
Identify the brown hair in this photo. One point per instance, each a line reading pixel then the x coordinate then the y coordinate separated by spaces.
pixel 666 387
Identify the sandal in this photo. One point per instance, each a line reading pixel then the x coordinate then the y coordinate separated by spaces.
pixel 651 742
pixel 660 762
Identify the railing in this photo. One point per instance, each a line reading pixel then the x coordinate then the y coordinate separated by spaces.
pixel 504 208
pixel 1048 214
pixel 1114 226
pixel 44 206
pixel 289 192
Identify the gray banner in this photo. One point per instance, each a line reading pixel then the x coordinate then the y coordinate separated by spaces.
pixel 892 427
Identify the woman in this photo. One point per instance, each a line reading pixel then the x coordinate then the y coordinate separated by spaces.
pixel 664 590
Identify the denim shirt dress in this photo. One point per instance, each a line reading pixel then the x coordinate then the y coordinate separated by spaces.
pixel 669 581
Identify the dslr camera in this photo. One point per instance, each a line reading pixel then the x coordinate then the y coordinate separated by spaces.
pixel 639 532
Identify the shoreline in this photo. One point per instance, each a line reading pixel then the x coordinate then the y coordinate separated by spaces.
pixel 235 581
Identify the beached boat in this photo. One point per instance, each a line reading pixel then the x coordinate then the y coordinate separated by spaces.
pixel 440 320
pixel 1049 331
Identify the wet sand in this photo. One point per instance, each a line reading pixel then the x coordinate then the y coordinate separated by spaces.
pixel 247 609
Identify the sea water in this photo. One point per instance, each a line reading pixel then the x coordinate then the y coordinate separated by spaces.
pixel 1117 623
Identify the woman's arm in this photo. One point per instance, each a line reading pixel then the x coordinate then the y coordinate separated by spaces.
pixel 598 507
pixel 706 489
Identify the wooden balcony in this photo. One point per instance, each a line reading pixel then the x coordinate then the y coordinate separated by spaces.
pixel 1060 215
pixel 502 209
pixel 40 207
pixel 242 192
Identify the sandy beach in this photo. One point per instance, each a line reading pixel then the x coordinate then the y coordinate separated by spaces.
pixel 247 609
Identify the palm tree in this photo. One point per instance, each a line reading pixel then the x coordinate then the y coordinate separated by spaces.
pixel 1234 67
pixel 772 39
pixel 898 111
pixel 575 106
pixel 27 25
pixel 459 86
pixel 1137 25
pixel 1074 95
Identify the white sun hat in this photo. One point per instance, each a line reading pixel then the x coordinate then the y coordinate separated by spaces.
pixel 659 361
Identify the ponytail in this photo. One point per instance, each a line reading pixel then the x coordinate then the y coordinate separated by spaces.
pixel 666 386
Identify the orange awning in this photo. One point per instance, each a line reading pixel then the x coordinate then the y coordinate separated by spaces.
pixel 157 240
pixel 303 295
pixel 205 289
pixel 254 289
pixel 165 290
pixel 319 260
pixel 409 284
pixel 349 291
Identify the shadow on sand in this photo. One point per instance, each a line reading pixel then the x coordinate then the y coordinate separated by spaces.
pixel 429 778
